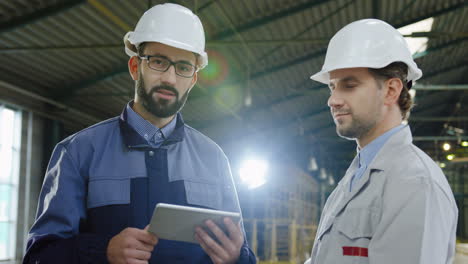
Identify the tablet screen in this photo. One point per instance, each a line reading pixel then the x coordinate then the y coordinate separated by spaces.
pixel 176 222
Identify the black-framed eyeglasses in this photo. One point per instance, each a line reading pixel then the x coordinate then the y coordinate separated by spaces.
pixel 162 64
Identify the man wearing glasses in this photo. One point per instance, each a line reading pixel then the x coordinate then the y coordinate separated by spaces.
pixel 102 183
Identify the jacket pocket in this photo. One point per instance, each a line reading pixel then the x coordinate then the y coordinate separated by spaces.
pixel 102 192
pixel 356 223
pixel 205 194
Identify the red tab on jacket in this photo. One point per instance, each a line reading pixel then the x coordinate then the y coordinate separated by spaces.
pixel 355 251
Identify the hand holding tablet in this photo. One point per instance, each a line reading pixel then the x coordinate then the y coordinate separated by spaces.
pixel 176 222
pixel 221 246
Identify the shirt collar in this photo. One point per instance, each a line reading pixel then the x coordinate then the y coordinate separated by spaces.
pixel 144 128
pixel 367 154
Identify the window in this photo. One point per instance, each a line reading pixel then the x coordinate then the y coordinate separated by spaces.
pixel 10 139
pixel 417 44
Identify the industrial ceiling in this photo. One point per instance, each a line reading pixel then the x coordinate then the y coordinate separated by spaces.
pixel 65 60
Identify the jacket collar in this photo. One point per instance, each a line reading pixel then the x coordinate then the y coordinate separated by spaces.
pixel 380 163
pixel 392 148
pixel 132 139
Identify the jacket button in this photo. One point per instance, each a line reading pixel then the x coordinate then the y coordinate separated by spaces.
pixel 151 153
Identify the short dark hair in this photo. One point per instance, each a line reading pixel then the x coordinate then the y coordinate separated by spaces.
pixel 141 49
pixel 397 70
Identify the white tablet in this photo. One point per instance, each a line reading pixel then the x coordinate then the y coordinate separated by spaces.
pixel 176 222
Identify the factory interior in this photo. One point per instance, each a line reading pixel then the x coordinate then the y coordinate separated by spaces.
pixel 63 68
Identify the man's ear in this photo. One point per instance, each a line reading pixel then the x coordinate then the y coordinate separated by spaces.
pixel 394 87
pixel 133 67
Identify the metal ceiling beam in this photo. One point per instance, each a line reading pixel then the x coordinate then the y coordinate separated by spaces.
pixel 376 8
pixel 326 109
pixel 436 34
pixel 315 87
pixel 314 24
pixel 59 48
pixel 439 138
pixel 222 43
pixel 323 51
pixel 288 64
pixel 291 63
pixel 403 11
pixel 434 49
pixel 446 9
pixel 268 19
pixel 435 87
pixel 446 69
pixel 203 7
pixel 37 97
pixel 299 60
pixel 41 14
pixel 262 107
pixel 249 54
pixel 264 130
pixel 110 15
pixel 437 118
pixel 67 92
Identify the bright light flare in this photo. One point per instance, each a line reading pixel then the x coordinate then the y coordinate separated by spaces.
pixel 450 157
pixel 253 173
pixel 446 146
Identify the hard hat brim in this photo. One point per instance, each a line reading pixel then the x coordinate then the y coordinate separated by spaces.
pixel 131 48
pixel 323 76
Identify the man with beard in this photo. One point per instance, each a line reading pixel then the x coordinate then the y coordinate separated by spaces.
pixel 103 183
pixel 394 204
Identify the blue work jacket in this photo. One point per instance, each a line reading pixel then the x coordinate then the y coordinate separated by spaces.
pixel 106 178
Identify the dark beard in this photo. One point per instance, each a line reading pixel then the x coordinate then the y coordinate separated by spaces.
pixel 161 108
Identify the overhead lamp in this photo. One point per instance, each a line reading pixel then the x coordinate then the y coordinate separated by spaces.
pixel 253 173
pixel 323 174
pixel 450 156
pixel 331 181
pixel 464 143
pixel 312 164
pixel 446 146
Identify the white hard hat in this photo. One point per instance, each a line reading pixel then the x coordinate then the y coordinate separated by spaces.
pixel 172 25
pixel 368 43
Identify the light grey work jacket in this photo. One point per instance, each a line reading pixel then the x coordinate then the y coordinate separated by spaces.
pixel 401 211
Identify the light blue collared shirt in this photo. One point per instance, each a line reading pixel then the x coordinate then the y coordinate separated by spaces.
pixel 367 154
pixel 154 135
